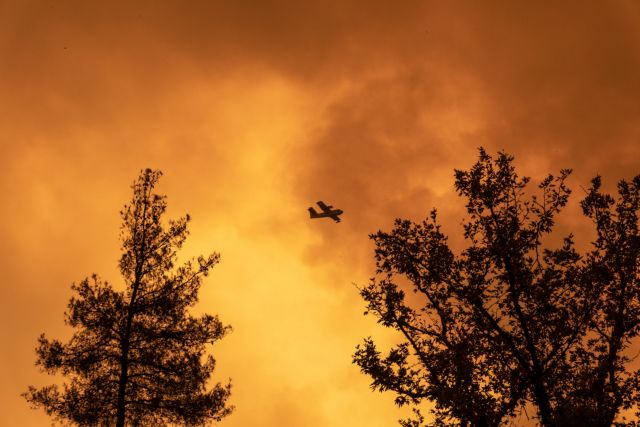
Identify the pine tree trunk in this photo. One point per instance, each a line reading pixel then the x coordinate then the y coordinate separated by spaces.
pixel 124 371
pixel 124 357
pixel 124 360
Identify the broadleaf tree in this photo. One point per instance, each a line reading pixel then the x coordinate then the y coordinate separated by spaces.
pixel 509 324
pixel 137 356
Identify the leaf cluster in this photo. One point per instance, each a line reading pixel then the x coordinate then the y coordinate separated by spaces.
pixel 509 322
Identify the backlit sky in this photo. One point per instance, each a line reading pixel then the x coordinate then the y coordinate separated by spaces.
pixel 256 109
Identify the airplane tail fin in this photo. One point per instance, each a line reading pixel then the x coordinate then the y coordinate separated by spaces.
pixel 313 213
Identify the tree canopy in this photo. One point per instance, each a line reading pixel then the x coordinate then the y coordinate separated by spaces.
pixel 508 323
pixel 137 356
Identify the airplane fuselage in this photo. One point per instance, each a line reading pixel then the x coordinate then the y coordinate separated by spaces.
pixel 327 212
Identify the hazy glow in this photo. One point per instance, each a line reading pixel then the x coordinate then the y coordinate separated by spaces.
pixel 255 110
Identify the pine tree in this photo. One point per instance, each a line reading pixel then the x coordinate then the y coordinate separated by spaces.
pixel 137 357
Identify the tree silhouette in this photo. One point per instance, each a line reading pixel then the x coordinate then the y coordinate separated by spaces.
pixel 507 323
pixel 137 357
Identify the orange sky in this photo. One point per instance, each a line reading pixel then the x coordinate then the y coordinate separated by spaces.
pixel 255 110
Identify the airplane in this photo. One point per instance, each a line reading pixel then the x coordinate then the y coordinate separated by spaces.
pixel 327 212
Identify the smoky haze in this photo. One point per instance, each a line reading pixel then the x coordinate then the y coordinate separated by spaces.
pixel 255 110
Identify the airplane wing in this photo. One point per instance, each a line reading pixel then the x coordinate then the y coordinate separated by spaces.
pixel 323 206
pixel 336 218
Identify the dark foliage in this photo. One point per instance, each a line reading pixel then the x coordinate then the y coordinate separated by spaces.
pixel 508 323
pixel 137 357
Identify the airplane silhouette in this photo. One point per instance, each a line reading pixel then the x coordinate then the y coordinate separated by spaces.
pixel 327 212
